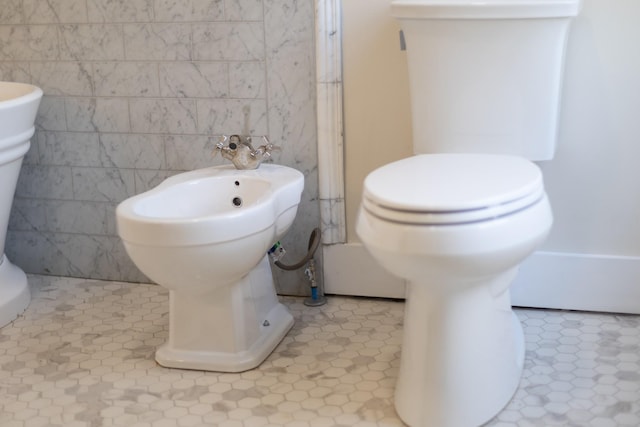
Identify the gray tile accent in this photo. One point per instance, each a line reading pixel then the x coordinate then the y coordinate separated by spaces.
pixel 102 185
pixel 189 10
pixel 120 10
pixel 126 79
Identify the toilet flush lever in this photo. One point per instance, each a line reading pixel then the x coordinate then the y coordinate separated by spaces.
pixel 240 151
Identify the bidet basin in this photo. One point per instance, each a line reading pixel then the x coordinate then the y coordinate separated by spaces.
pixel 204 235
pixel 212 205
pixel 175 231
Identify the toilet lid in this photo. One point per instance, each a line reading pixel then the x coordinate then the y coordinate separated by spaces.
pixel 452 188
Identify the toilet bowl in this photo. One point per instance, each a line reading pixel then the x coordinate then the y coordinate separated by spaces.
pixel 19 104
pixel 455 226
pixel 204 235
pixel 457 218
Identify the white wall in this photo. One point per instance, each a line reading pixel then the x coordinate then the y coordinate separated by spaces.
pixel 376 96
pixel 592 182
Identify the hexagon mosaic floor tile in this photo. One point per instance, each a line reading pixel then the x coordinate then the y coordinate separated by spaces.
pixel 82 355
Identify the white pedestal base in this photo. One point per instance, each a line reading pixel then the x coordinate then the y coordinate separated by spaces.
pixel 462 354
pixel 14 291
pixel 231 329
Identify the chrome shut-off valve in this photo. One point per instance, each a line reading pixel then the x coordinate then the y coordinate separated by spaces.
pixel 240 151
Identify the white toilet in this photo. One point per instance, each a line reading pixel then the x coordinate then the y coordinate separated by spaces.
pixel 204 235
pixel 457 219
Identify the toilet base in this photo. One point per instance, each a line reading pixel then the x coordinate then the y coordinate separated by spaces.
pixel 231 329
pixel 14 291
pixel 462 354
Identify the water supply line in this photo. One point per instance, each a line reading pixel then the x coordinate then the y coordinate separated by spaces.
pixel 317 297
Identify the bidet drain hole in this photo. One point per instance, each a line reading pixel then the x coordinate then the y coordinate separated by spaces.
pixel 237 183
pixel 237 201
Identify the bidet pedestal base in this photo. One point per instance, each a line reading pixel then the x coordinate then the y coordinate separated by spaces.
pixel 462 353
pixel 14 291
pixel 231 329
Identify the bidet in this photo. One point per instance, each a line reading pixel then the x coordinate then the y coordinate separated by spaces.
pixel 204 235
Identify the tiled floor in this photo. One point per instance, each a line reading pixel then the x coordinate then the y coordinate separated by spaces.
pixel 82 355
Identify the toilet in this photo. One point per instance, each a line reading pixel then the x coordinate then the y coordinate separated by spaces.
pixel 456 219
pixel 204 235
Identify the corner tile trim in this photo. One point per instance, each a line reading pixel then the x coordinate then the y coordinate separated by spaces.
pixel 329 119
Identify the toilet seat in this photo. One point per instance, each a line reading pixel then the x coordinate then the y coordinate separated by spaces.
pixel 447 189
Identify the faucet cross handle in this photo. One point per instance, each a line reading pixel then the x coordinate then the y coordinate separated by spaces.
pixel 266 149
pixel 220 145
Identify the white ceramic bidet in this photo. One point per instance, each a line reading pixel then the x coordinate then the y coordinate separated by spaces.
pixel 18 107
pixel 204 235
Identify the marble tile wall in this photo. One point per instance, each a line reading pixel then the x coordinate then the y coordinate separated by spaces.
pixel 138 90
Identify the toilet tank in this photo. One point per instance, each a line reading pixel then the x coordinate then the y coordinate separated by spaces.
pixel 485 76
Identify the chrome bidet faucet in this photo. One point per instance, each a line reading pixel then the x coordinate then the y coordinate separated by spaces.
pixel 239 150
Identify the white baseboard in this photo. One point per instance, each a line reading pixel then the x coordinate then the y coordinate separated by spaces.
pixel 559 280
pixel 579 282
pixel 350 270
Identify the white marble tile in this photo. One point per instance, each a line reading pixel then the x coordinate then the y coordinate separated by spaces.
pixel 97 114
pixel 237 41
pixel 247 79
pixel 131 151
pixel 51 114
pixel 188 10
pixel 80 217
pixel 68 148
pixel 162 41
pixel 32 252
pixel 232 116
pixel 126 79
pixel 32 157
pixel 289 45
pixel 63 78
pixel 188 152
pixel 101 150
pixel 55 11
pixel 45 182
pixel 12 12
pixel 243 10
pixel 290 72
pixel 163 115
pixel 91 42
pixel 28 215
pixel 330 140
pixel 329 41
pixel 147 179
pixel 102 184
pixel 329 94
pixel 332 216
pixel 152 80
pixel 120 10
pixel 15 71
pixel 83 353
pixel 71 254
pixel 29 42
pixel 194 79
